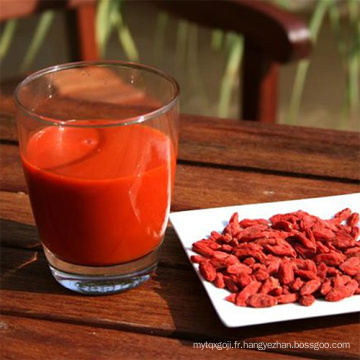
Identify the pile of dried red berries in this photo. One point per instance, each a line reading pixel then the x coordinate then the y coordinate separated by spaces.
pixel 293 257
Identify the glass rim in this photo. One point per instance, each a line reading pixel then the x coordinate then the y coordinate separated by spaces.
pixel 110 122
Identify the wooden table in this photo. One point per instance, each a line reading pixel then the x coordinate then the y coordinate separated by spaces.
pixel 221 162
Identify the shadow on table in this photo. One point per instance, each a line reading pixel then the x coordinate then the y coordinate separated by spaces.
pixel 195 319
pixel 24 269
pixel 23 263
pixel 19 235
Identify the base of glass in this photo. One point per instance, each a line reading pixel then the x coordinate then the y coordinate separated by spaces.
pixel 102 280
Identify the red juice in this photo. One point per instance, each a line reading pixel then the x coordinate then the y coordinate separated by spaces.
pixel 100 196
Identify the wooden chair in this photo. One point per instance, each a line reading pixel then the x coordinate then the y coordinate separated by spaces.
pixel 80 22
pixel 272 36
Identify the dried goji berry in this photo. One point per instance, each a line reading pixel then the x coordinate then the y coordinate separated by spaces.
pixel 343 241
pixel 197 259
pixel 243 279
pixel 306 242
pixel 288 259
pixel 219 281
pixel 306 300
pixel 261 301
pixel 207 271
pixel 353 219
pixel 214 235
pixel 351 266
pixel 227 248
pixel 261 275
pixel 326 287
pixel 321 248
pixel 280 250
pixel 286 272
pixel 310 287
pixel 283 225
pixel 352 251
pixel 249 249
pixel 246 292
pixel 342 215
pixel 230 284
pixel 341 292
pixel 251 222
pixel 231 298
pixel 310 265
pixel 276 291
pixel 287 298
pixel 355 232
pixel 306 275
pixel 202 249
pixel 249 261
pixel 238 268
pixel 321 271
pixel 330 258
pixel 296 284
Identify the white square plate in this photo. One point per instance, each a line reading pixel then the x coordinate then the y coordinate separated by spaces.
pixel 194 225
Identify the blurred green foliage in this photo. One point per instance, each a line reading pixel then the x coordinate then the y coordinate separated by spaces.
pixel 344 17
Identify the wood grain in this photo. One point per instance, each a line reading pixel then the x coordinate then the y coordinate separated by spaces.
pixel 263 163
pixel 7 128
pixel 11 176
pixel 81 32
pixel 280 34
pixel 203 186
pixel 172 304
pixel 259 92
pixel 16 207
pixel 29 339
pixel 296 151
pixel 23 8
pixel 18 235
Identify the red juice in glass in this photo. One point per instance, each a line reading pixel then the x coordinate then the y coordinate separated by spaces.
pixel 100 196
pixel 98 143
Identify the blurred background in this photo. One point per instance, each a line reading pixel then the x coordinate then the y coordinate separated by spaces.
pixel 322 91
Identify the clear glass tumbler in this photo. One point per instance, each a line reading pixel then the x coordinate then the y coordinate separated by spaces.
pixel 98 144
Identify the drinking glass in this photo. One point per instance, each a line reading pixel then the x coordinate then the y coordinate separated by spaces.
pixel 98 144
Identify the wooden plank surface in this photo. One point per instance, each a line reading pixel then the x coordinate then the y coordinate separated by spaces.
pixel 175 309
pixel 169 311
pixel 294 150
pixel 265 147
pixel 202 186
pixel 168 293
pixel 172 304
pixel 29 339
